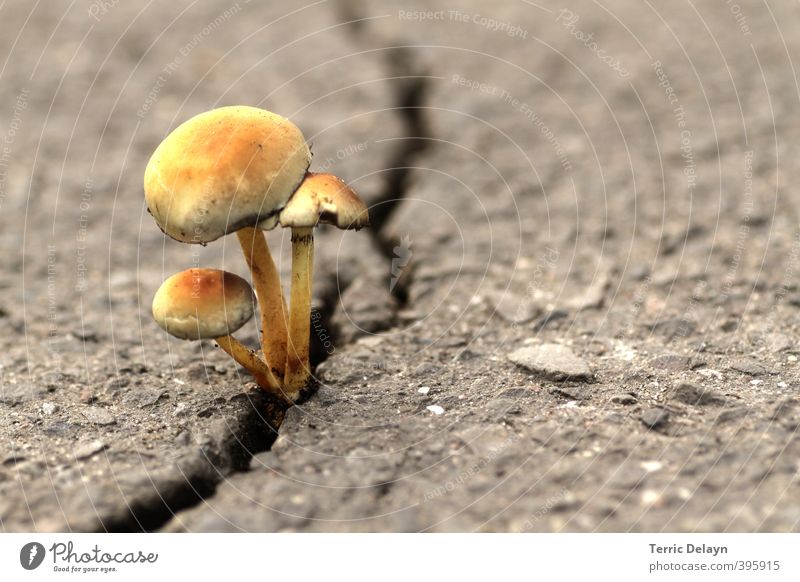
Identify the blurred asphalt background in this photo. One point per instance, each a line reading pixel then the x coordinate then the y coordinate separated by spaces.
pixel 577 308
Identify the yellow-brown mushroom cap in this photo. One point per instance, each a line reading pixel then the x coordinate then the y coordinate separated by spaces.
pixel 223 170
pixel 324 198
pixel 203 304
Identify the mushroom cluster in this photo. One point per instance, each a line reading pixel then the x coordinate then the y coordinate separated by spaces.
pixel 245 170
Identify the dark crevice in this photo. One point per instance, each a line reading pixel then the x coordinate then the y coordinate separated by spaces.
pixel 410 84
pixel 231 453
pixel 409 105
pixel 260 429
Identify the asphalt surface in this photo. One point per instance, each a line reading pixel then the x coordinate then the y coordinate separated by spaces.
pixel 576 309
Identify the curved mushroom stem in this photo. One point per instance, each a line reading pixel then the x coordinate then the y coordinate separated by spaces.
pixel 248 359
pixel 298 368
pixel 271 304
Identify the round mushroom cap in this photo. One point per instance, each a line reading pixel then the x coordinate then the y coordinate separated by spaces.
pixel 203 304
pixel 324 198
pixel 223 170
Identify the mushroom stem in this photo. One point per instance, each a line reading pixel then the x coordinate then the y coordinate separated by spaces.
pixel 248 359
pixel 298 368
pixel 271 303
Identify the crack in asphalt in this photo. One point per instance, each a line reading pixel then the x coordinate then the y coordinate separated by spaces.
pixel 262 427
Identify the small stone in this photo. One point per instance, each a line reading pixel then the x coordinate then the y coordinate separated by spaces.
pixel 651 497
pixel 751 367
pixel 143 397
pixel 696 395
pixel 731 415
pixel 89 449
pixel 437 410
pixel 655 417
pixel 466 355
pixel 652 466
pixel 552 361
pixel 99 416
pixel 624 399
pixel 424 389
pixel 86 395
pixel 49 408
pixel 671 362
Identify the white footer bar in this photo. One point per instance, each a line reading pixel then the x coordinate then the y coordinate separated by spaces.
pixel 378 557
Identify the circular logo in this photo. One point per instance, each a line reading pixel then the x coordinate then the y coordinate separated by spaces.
pixel 31 555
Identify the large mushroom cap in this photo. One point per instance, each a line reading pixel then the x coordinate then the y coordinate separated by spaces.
pixel 203 304
pixel 223 170
pixel 324 198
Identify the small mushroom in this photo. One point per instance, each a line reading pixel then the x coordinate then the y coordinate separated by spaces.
pixel 321 198
pixel 200 304
pixel 227 170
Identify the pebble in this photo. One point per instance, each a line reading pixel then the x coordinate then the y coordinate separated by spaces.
pixel 655 417
pixel 671 362
pixel 731 414
pixel 143 397
pixel 424 389
pixel 553 361
pixel 651 497
pixel 99 416
pixel 750 367
pixel 437 410
pixel 651 466
pixel 49 408
pixel 86 395
pixel 624 399
pixel 696 395
pixel 89 449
